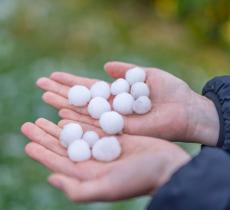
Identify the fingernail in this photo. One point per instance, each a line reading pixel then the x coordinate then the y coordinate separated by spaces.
pixel 55 182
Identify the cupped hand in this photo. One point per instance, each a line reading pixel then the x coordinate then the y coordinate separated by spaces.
pixel 178 113
pixel 145 164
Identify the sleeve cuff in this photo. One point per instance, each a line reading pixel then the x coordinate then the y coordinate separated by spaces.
pixel 203 183
pixel 218 90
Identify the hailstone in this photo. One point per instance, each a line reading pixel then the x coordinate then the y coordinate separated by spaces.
pixel 79 151
pixel 119 86
pixel 79 95
pixel 70 133
pixel 111 122
pixel 142 105
pixel 123 103
pixel 100 89
pixel 140 89
pixel 90 137
pixel 97 106
pixel 135 74
pixel 106 149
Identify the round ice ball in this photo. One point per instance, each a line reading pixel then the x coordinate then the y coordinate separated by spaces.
pixel 111 122
pixel 123 103
pixel 135 74
pixel 106 149
pixel 142 105
pixel 119 86
pixel 79 151
pixel 90 137
pixel 70 133
pixel 100 89
pixel 97 106
pixel 140 89
pixel 79 95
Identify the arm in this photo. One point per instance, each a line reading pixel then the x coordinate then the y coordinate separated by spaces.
pixel 201 184
pixel 205 178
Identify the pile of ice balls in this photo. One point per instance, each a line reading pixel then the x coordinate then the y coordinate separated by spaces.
pixel 81 146
pixel 130 96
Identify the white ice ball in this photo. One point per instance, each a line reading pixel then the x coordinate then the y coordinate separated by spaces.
pixel 119 86
pixel 100 89
pixel 106 149
pixel 79 95
pixel 123 103
pixel 70 133
pixel 79 151
pixel 97 106
pixel 142 105
pixel 135 74
pixel 111 122
pixel 140 89
pixel 90 137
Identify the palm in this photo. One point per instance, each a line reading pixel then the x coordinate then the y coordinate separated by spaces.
pixel 169 94
pixel 168 117
pixel 104 181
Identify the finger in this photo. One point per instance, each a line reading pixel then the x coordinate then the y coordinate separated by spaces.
pixel 83 170
pixel 51 160
pixel 48 127
pixel 89 191
pixel 71 115
pixel 52 86
pixel 99 131
pixel 59 102
pixel 117 69
pixel 36 134
pixel 85 126
pixel 71 80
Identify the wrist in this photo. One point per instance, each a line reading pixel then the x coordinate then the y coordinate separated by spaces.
pixel 173 159
pixel 203 121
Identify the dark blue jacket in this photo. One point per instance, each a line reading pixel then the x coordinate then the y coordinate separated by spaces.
pixel 204 183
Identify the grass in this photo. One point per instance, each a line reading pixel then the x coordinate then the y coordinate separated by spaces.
pixel 38 37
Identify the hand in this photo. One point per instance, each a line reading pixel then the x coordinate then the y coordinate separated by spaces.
pixel 145 164
pixel 178 112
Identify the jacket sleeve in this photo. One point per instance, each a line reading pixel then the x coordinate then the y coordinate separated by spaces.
pixel 218 90
pixel 201 184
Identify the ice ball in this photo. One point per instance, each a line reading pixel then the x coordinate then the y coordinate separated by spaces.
pixel 100 89
pixel 97 106
pixel 106 149
pixel 79 95
pixel 90 137
pixel 111 122
pixel 123 103
pixel 142 105
pixel 79 151
pixel 135 74
pixel 70 133
pixel 140 89
pixel 119 86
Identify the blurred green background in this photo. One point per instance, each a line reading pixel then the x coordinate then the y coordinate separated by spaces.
pixel 190 39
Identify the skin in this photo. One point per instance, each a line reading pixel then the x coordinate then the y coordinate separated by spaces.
pixel 145 164
pixel 178 112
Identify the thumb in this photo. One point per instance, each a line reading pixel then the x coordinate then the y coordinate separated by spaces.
pixel 117 69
